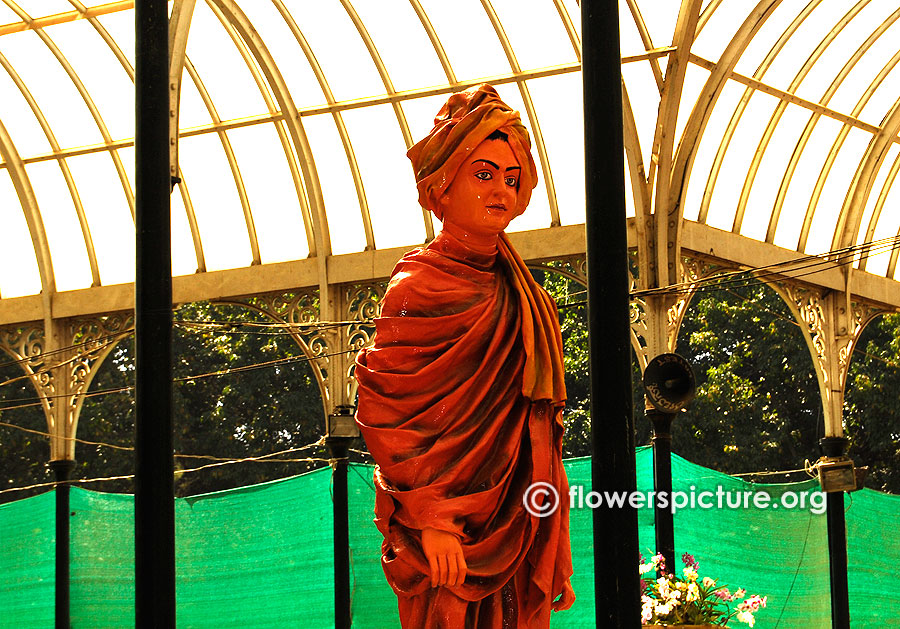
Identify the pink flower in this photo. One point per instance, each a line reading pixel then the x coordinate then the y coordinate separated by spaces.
pixel 688 560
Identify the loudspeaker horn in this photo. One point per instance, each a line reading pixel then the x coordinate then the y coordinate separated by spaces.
pixel 669 383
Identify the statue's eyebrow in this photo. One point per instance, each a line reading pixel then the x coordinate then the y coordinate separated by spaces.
pixel 487 161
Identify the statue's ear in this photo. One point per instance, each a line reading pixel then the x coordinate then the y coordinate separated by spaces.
pixel 437 204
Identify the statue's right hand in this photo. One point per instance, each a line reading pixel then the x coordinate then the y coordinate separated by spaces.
pixel 445 557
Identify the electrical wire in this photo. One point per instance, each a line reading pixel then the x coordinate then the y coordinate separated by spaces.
pixel 264 458
pixel 37 401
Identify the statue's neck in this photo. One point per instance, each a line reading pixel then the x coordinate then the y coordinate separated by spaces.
pixel 473 253
pixel 482 244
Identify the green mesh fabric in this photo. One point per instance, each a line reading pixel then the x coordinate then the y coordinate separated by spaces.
pixel 261 556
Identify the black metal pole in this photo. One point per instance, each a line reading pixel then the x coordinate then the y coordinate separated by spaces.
pixel 339 449
pixel 62 469
pixel 662 482
pixel 616 590
pixel 837 542
pixel 154 507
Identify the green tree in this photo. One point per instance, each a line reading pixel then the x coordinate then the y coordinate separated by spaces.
pixel 871 408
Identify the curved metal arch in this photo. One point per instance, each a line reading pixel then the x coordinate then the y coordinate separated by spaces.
pixel 836 146
pixel 25 192
pixel 647 42
pixel 179 31
pixel 876 215
pixel 270 105
pixel 389 88
pixel 741 107
pixel 311 357
pixel 89 102
pixel 298 135
pixel 706 14
pixel 571 31
pixel 780 108
pixel 435 41
pixel 63 165
pixel 339 124
pixel 666 253
pixel 814 119
pixel 641 189
pixel 703 107
pixel 229 155
pixel 850 217
pixel 530 110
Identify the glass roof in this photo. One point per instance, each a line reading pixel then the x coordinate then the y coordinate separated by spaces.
pixel 295 118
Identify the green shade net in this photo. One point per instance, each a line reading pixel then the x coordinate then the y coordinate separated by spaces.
pixel 261 556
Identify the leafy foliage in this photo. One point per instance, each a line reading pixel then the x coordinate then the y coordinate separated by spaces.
pixel 757 406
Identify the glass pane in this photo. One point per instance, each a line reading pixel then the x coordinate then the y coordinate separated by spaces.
pixel 410 59
pixel 106 80
pixel 120 26
pixel 54 92
pixel 771 172
pixel 220 217
pixel 336 43
pixel 767 36
pixel 840 49
pixel 643 95
pixel 287 52
pixel 341 202
pixel 558 102
pixel 796 201
pixel 835 190
pixel 459 24
pixel 43 8
pixel 20 121
pixel 884 98
pixel 862 75
pixel 420 114
pixel 64 235
pixel 221 68
pixel 532 24
pixel 108 216
pixel 717 32
pixel 706 150
pixel 8 16
pixel 630 42
pixel 390 187
pixel 887 222
pixel 737 160
pixel 18 267
pixel 192 111
pixel 272 194
pixel 799 47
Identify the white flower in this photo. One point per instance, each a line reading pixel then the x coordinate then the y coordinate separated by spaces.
pixel 693 592
pixel 690 573
pixel 663 608
pixel 708 582
pixel 746 617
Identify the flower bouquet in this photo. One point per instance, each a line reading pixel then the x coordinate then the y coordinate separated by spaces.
pixel 690 600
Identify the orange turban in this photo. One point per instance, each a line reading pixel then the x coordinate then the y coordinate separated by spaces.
pixel 464 122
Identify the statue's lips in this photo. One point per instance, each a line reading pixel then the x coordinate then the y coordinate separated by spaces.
pixel 496 210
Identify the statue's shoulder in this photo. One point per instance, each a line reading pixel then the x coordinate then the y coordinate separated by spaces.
pixel 421 282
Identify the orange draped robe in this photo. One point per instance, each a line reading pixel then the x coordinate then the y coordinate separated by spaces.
pixel 460 403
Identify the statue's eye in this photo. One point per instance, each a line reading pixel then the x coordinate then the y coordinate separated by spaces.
pixel 484 175
pixel 511 181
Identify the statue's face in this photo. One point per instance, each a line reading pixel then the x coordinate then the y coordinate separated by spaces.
pixel 481 200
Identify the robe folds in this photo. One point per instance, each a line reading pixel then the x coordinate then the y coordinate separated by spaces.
pixel 460 403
